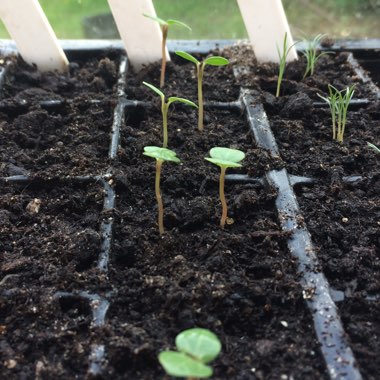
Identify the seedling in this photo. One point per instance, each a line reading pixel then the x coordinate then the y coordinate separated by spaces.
pixel 165 24
pixel 161 155
pixel 196 348
pixel 212 61
pixel 374 147
pixel 165 108
pixel 311 54
pixel 225 158
pixel 282 55
pixel 338 102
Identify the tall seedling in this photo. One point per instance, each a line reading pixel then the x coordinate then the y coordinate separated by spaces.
pixel 161 155
pixel 212 61
pixel 224 158
pixel 165 25
pixel 165 108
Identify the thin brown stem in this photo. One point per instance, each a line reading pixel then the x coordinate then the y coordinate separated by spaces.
pixel 163 48
pixel 222 197
pixel 159 198
pixel 164 109
pixel 200 70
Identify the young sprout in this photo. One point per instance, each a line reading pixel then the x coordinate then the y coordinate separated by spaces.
pixel 165 24
pixel 225 158
pixel 161 155
pixel 338 102
pixel 196 348
pixel 165 107
pixel 374 147
pixel 213 61
pixel 311 54
pixel 282 55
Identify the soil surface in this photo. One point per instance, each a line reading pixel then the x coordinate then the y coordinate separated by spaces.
pixel 240 282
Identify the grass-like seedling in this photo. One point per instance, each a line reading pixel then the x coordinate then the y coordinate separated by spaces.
pixel 282 54
pixel 338 102
pixel 311 55
pixel 196 348
pixel 165 108
pixel 161 155
pixel 212 61
pixel 224 158
pixel 165 25
pixel 374 147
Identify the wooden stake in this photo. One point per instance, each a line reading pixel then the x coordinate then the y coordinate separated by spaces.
pixel 35 39
pixel 266 24
pixel 141 36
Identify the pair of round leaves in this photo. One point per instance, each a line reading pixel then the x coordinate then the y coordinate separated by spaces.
pixel 162 154
pixel 196 347
pixel 226 157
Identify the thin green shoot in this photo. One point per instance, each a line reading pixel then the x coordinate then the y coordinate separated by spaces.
pixel 283 54
pixel 165 108
pixel 165 25
pixel 161 155
pixel 311 54
pixel 212 61
pixel 224 158
pixel 374 147
pixel 196 348
pixel 338 102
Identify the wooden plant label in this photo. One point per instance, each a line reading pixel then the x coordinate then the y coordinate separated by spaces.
pixel 141 36
pixel 35 39
pixel 266 24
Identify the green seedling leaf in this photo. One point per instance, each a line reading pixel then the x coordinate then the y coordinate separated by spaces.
pixel 173 99
pixel 226 157
pixel 179 23
pixel 181 365
pixel 155 89
pixel 159 20
pixel 200 344
pixel 159 153
pixel 187 56
pixel 374 147
pixel 216 61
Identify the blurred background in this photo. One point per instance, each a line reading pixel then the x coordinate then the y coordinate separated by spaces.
pixel 218 19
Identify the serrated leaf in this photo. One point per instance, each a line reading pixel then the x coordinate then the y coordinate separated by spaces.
pixel 155 89
pixel 187 56
pixel 181 365
pixel 200 343
pixel 176 22
pixel 173 99
pixel 216 61
pixel 159 20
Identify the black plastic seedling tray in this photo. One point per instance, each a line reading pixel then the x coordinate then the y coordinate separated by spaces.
pixel 319 298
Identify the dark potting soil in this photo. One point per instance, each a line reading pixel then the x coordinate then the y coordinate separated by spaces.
pixel 241 282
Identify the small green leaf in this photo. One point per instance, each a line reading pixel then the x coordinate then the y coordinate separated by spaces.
pixel 155 89
pixel 199 343
pixel 173 99
pixel 223 163
pixel 374 147
pixel 179 23
pixel 216 61
pixel 159 153
pixel 226 157
pixel 159 20
pixel 181 365
pixel 187 56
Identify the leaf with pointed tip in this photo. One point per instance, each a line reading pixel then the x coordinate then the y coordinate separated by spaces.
pixel 179 364
pixel 173 99
pixel 216 61
pixel 159 153
pixel 179 23
pixel 155 89
pixel 159 20
pixel 187 56
pixel 200 344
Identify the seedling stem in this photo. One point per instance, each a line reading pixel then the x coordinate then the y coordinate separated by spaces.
pixel 222 196
pixel 159 197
